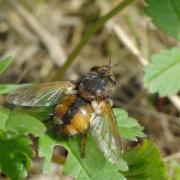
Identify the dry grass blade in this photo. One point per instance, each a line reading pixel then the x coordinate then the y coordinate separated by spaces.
pixel 172 157
pixel 51 42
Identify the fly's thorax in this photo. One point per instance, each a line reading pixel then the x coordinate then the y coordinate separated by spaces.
pixel 93 86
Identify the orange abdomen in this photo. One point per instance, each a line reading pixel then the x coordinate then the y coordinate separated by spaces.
pixel 72 115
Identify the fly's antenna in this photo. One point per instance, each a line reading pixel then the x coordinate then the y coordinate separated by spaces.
pixel 116 65
pixel 112 66
pixel 110 62
pixel 115 68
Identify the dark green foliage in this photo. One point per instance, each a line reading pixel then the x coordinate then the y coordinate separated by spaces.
pixel 20 122
pixel 15 155
pixel 128 127
pixel 145 163
pixel 15 149
pixel 94 166
pixel 165 15
pixel 4 115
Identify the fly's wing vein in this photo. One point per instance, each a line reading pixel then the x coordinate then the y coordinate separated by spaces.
pixel 46 94
pixel 104 130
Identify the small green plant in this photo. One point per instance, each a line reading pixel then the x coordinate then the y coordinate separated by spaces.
pixel 162 73
pixel 142 162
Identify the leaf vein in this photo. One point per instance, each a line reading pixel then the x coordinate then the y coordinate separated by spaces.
pixel 163 70
pixel 80 163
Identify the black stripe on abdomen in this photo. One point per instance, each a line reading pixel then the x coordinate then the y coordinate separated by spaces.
pixel 66 119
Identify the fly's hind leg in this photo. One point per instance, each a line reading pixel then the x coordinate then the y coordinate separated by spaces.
pixel 84 139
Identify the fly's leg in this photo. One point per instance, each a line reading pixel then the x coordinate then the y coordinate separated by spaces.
pixel 84 139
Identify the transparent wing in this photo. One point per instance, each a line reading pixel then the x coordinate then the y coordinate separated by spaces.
pixel 105 132
pixel 46 94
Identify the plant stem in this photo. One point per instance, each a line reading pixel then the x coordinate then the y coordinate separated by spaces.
pixel 98 24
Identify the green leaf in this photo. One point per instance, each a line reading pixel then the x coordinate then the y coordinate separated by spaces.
pixel 45 148
pixel 129 128
pixel 94 166
pixel 15 156
pixel 90 167
pixel 4 115
pixel 4 63
pixel 162 74
pixel 174 170
pixel 24 124
pixel 42 113
pixel 7 88
pixel 165 15
pixel 145 163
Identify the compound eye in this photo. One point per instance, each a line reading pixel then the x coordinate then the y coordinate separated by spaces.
pixel 95 68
